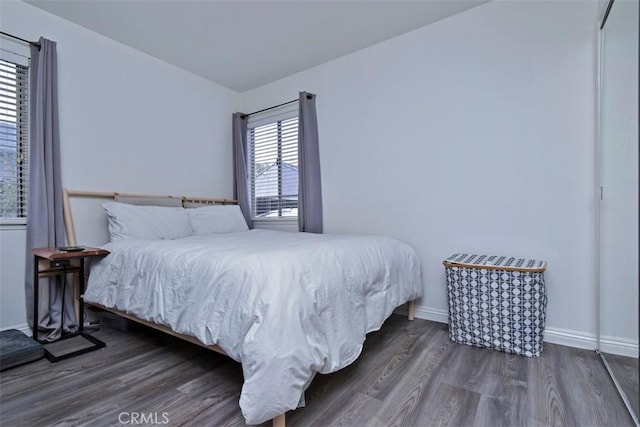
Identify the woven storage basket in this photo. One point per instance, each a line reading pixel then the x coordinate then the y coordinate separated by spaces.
pixel 497 302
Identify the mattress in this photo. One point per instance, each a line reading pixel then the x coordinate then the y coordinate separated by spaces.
pixel 285 305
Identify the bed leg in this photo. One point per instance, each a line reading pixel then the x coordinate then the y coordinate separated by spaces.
pixel 279 421
pixel 411 309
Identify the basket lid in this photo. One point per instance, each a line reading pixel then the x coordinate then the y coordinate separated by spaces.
pixel 495 262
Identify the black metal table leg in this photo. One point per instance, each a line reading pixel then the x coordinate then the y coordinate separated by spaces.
pixel 36 285
pixel 97 344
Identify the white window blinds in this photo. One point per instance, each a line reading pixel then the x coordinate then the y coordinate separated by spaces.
pixel 273 154
pixel 14 139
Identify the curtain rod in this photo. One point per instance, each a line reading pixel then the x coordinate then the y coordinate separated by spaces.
pixel 21 39
pixel 244 116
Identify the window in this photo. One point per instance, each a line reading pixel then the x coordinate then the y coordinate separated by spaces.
pixel 14 140
pixel 273 168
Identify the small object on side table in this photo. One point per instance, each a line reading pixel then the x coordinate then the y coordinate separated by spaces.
pixel 71 248
pixel 64 260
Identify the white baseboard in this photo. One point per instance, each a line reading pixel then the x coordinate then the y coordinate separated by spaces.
pixel 570 338
pixel 426 313
pixel 619 346
pixel 24 328
pixel 433 314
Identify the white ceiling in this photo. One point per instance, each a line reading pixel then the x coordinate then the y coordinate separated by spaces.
pixel 244 44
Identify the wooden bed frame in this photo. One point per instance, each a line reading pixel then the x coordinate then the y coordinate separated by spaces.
pixel 278 421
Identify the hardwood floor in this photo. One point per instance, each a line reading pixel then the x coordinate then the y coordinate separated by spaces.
pixel 626 370
pixel 409 374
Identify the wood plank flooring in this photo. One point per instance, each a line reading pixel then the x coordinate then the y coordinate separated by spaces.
pixel 409 374
pixel 626 371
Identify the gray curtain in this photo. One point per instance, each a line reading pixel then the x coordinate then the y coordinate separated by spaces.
pixel 45 226
pixel 240 187
pixel 309 186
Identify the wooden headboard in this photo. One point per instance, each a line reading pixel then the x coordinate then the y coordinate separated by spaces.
pixel 90 226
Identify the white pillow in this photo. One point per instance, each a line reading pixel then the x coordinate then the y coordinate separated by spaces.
pixel 217 219
pixel 127 222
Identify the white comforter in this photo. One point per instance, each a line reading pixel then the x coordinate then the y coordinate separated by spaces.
pixel 286 305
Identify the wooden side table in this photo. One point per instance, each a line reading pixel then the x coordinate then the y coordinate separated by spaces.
pixel 53 262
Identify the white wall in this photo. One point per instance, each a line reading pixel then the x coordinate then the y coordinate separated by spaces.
pixel 475 133
pixel 12 256
pixel 128 123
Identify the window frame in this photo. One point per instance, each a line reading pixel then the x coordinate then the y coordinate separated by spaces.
pixel 20 58
pixel 274 116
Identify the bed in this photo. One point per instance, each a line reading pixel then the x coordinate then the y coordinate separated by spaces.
pixel 284 305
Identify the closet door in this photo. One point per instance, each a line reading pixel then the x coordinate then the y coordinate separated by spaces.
pixel 618 338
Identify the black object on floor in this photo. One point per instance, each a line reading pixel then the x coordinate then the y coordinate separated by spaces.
pixel 17 349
